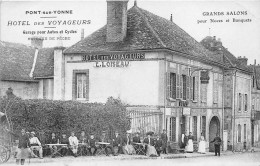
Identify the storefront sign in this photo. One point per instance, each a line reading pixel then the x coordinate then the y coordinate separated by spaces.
pixel 114 57
pixel 112 64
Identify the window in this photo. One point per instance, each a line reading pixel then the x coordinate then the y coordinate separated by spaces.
pixel 45 87
pixel 192 83
pixel 215 88
pixel 203 90
pixel 253 81
pixel 184 86
pixel 239 133
pixel 244 132
pixel 195 127
pixel 253 103
pixel 245 102
pixel 173 85
pixel 81 84
pixel 203 125
pixel 239 101
pixel 173 129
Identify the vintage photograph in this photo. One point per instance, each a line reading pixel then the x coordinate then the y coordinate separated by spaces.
pixel 129 82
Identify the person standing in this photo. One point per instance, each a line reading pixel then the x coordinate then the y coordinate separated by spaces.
pixel 164 139
pixel 23 151
pixel 217 142
pixel 158 145
pixel 73 140
pixel 190 143
pixel 202 144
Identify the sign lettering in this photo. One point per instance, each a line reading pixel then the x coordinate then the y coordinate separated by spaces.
pixel 114 57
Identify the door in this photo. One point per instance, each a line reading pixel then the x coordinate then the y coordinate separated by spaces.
pixel 214 128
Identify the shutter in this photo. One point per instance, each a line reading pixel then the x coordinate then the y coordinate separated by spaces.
pixel 174 86
pixel 188 87
pixel 181 86
pixel 191 88
pixel 178 86
pixel 168 85
pixel 196 97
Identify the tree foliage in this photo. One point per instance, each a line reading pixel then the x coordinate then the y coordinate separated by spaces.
pixel 64 116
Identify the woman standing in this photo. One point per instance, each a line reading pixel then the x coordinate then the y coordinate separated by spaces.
pixel 190 143
pixel 23 148
pixel 202 145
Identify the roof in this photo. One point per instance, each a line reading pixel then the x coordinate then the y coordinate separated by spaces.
pixel 229 59
pixel 145 30
pixel 44 66
pixel 16 61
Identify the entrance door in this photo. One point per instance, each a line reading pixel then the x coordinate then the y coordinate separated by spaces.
pixel 214 128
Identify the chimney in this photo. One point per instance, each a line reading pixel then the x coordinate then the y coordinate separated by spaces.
pixel 82 34
pixel 171 18
pixel 116 20
pixel 255 62
pixel 242 60
pixel 36 42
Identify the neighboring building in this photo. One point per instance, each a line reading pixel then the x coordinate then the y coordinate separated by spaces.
pixel 255 105
pixel 236 96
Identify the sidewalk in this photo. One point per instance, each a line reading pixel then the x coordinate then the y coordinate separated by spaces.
pixel 124 157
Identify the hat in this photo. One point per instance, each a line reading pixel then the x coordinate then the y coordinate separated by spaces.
pixel 33 132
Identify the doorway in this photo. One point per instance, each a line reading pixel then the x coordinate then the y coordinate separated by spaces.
pixel 214 128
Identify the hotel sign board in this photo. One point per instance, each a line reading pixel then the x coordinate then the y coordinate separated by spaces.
pixel 114 57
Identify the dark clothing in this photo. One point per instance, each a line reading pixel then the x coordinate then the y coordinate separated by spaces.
pixel 217 142
pixel 64 141
pixel 106 139
pixel 53 140
pixel 150 142
pixel 158 146
pixel 127 140
pixel 118 142
pixel 190 137
pixel 23 141
pixel 136 139
pixel 164 138
pixel 92 144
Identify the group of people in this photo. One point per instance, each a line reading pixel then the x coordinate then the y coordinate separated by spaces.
pixel 188 143
pixel 29 144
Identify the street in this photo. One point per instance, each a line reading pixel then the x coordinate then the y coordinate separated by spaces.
pixel 247 159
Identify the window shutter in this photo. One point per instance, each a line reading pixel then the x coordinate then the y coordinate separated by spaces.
pixel 196 97
pixel 188 87
pixel 191 88
pixel 181 86
pixel 178 86
pixel 168 85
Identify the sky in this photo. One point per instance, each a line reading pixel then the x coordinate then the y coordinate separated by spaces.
pixel 241 39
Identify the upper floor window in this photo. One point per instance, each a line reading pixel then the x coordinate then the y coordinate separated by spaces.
pixel 184 87
pixel 246 102
pixel 239 102
pixel 173 85
pixel 215 88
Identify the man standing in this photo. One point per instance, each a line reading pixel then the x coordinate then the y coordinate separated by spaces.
pixel 23 148
pixel 117 142
pixel 73 140
pixel 217 142
pixel 158 145
pixel 35 145
pixel 164 141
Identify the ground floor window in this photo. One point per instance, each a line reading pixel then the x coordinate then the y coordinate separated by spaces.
pixel 203 126
pixel 195 127
pixel 244 132
pixel 239 133
pixel 173 129
pixel 80 84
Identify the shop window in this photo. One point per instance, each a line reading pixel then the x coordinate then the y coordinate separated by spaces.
pixel 81 85
pixel 173 129
pixel 203 125
pixel 195 127
pixel 244 132
pixel 239 133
